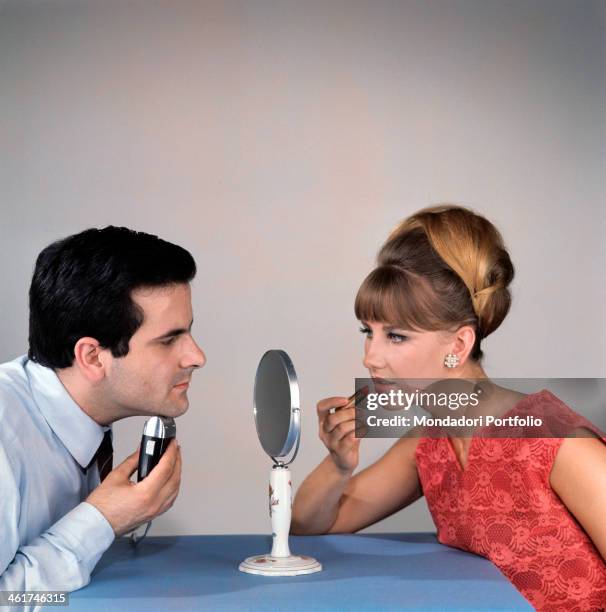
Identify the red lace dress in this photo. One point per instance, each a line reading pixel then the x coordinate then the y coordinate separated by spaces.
pixel 501 506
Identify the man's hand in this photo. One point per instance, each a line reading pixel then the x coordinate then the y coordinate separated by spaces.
pixel 126 504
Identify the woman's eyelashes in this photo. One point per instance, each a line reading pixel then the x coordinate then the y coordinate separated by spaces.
pixel 366 331
pixel 393 337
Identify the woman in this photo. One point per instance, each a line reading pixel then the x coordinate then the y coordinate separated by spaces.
pixel 535 507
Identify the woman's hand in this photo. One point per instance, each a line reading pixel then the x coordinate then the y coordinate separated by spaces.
pixel 337 424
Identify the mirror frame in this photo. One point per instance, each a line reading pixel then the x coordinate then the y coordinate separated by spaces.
pixel 294 429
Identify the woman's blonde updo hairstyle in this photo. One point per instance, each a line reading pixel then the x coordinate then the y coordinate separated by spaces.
pixel 441 268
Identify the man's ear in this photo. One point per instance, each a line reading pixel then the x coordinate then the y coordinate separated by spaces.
pixel 464 339
pixel 89 359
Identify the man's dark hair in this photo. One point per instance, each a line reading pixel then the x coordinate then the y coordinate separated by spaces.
pixel 82 286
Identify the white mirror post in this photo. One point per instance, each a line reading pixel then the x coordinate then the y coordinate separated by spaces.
pixel 280 510
pixel 276 410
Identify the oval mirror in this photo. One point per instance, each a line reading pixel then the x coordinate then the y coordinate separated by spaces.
pixel 276 405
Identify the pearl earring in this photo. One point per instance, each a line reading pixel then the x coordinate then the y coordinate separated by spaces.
pixel 451 360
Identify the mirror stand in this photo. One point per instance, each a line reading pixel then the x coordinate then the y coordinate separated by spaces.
pixel 280 562
pixel 277 416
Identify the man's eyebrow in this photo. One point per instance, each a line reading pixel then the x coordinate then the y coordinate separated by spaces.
pixel 174 332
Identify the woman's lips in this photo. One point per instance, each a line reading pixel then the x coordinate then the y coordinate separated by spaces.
pixel 384 381
pixel 382 385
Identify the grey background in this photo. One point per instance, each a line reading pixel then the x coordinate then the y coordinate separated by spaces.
pixel 280 142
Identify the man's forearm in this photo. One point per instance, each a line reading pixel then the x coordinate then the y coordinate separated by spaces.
pixel 60 559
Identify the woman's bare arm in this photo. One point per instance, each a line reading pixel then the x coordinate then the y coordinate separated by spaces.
pixel 578 476
pixel 333 501
pixel 386 486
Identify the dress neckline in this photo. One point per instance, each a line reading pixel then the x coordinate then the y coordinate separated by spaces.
pixel 463 468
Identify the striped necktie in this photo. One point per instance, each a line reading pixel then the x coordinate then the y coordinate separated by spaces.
pixel 104 456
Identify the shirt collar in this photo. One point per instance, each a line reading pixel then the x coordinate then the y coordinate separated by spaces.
pixel 80 434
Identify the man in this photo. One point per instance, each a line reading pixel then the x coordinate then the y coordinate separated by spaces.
pixel 109 337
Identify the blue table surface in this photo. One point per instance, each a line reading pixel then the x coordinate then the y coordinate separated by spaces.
pixel 361 572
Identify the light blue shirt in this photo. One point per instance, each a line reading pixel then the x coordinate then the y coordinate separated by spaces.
pixel 50 539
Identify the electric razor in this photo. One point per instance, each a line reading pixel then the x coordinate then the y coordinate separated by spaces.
pixel 157 434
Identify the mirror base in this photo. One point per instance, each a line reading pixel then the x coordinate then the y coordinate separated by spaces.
pixel 266 565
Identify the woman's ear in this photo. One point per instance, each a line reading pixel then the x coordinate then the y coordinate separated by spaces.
pixel 462 344
pixel 88 359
